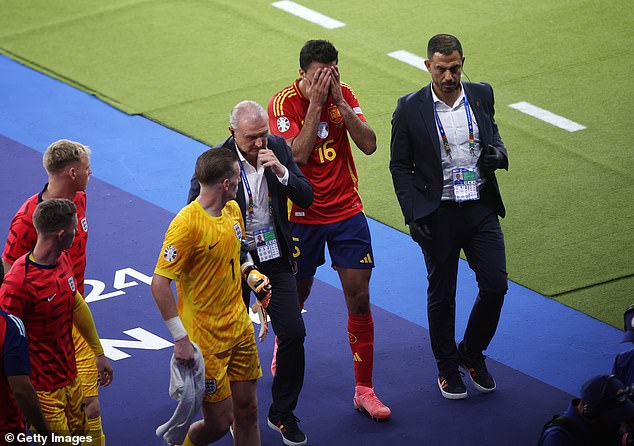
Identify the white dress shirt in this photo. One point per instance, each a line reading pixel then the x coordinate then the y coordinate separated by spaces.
pixel 454 122
pixel 261 217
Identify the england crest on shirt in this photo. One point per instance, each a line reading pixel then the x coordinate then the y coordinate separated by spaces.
pixel 322 130
pixel 283 124
pixel 71 284
pixel 84 224
pixel 211 386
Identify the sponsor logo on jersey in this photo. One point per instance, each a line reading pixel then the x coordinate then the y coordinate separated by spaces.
pixel 71 283
pixel 322 130
pixel 84 224
pixel 52 297
pixel 210 386
pixel 212 246
pixel 170 253
pixel 238 230
pixel 334 115
pixel 283 124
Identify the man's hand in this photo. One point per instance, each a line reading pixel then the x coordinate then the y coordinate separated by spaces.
pixel 184 351
pixel 420 232
pixel 319 87
pixel 105 370
pixel 335 85
pixel 492 157
pixel 268 159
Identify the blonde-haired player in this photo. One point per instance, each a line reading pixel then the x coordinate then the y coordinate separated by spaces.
pixel 67 165
pixel 41 290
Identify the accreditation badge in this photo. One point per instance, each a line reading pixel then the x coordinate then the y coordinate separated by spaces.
pixel 266 243
pixel 465 183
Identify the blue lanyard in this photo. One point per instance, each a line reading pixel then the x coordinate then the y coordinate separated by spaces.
pixel 443 135
pixel 250 204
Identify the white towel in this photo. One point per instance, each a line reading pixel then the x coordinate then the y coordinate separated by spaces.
pixel 187 386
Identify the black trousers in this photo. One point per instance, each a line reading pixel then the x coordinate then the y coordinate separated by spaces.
pixel 288 324
pixel 474 228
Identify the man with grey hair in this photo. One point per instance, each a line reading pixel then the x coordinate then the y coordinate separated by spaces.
pixel 269 176
pixel 67 165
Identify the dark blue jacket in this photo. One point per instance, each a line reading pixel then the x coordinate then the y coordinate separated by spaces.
pixel 298 190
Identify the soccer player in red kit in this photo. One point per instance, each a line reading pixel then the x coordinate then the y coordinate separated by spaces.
pixel 315 115
pixel 67 164
pixel 41 290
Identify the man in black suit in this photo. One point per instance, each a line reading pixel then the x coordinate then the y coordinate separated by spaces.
pixel 445 149
pixel 270 176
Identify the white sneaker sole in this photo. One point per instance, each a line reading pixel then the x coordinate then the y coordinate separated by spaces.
pixel 286 441
pixel 451 396
pixel 476 385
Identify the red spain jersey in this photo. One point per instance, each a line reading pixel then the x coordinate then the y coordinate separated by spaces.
pixel 330 168
pixel 43 296
pixel 22 235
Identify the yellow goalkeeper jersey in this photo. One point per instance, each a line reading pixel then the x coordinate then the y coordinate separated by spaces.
pixel 202 254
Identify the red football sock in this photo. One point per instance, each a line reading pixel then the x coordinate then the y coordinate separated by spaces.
pixel 361 338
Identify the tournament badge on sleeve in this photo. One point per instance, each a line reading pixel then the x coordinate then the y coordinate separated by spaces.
pixel 465 183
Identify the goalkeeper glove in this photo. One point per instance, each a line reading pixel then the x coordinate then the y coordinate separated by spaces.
pixel 260 285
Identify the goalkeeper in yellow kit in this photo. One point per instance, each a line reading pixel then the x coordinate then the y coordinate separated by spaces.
pixel 201 252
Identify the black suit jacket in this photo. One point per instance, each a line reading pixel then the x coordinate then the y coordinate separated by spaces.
pixel 415 151
pixel 298 189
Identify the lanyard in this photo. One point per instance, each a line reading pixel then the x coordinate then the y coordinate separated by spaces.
pixel 250 204
pixel 443 135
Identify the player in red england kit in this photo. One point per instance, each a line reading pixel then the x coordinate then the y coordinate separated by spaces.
pixel 315 115
pixel 41 290
pixel 67 164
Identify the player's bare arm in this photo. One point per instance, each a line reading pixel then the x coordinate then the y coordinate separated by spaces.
pixel 360 132
pixel 317 91
pixel 166 303
pixel 28 402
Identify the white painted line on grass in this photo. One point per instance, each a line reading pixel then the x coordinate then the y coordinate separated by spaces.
pixel 308 14
pixel 409 58
pixel 547 116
